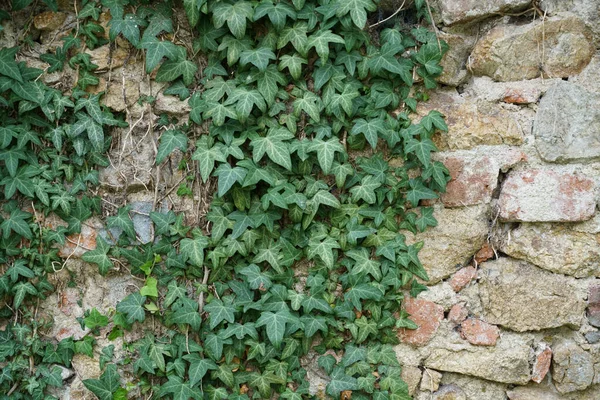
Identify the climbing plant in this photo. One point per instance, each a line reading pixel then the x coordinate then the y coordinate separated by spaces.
pixel 301 116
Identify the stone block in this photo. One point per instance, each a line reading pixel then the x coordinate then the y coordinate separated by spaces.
pixel 555 48
pixel 427 315
pixel 462 11
pixel 479 332
pixel 555 248
pixel 523 297
pixel 475 388
pixel 544 195
pixel 459 234
pixel 412 376
pixel 567 123
pixel 593 309
pixel 454 62
pixel 471 123
pixel 431 380
pixel 572 367
pixel 448 392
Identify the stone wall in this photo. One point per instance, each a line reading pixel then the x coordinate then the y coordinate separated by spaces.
pixel 513 303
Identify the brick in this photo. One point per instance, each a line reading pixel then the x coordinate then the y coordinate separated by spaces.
pixel 472 181
pixel 479 332
pixel 544 195
pixel 485 253
pixel 541 365
pixel 462 278
pixel 427 315
pixel 77 244
pixel 593 309
pixel 458 313
pixel 525 95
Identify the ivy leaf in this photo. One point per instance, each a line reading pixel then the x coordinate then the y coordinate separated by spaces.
pixel 106 385
pixel 245 100
pixel 129 25
pixel 320 41
pixel 278 13
pixel 323 249
pixel 421 148
pixel 235 15
pixel 193 250
pixel 362 292
pixel 366 190
pixel 171 70
pixel 20 290
pixel 179 389
pixel 426 219
pixel 325 151
pixel 293 63
pixel 133 307
pixel 311 104
pixel 122 221
pixel 198 367
pixel 220 311
pixel 434 119
pixel 99 256
pixel 255 278
pixel 419 192
pixel 186 312
pixel 169 141
pixel 357 9
pixel 156 50
pixel 258 57
pixel 95 319
pixel 371 129
pixel 206 154
pixel 16 223
pixel 192 10
pixel 8 65
pixel 268 82
pixel 228 176
pixel 274 324
pixel 274 147
pixel 340 382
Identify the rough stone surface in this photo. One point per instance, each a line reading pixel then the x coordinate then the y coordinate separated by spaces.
pixel 555 248
pixel 485 253
pixel 567 123
pixel 49 20
pixel 458 313
pixel 558 47
pixel 534 392
pixel 521 92
pixel 541 366
pixel 462 278
pixel 140 216
pixel 588 10
pixel 522 297
pixel 431 380
pixel 572 367
pixel 474 175
pixel 593 311
pixel 479 332
pixel 449 392
pixel 461 11
pixel 544 195
pixel 454 61
pixel 593 337
pixel 427 315
pixel 459 234
pixel 475 388
pixel 471 123
pixel 412 376
pixel 507 362
pixel 106 57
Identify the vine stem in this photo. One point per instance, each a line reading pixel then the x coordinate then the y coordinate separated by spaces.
pixel 390 17
pixel 201 297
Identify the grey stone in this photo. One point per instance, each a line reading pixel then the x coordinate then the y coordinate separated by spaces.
pixel 140 215
pixel 534 391
pixel 593 337
pixel 523 297
pixel 475 388
pixel 555 48
pixel 588 10
pixel 460 233
pixel 555 248
pixel 412 376
pixel 454 62
pixel 567 124
pixel 572 367
pixel 461 11
pixel 507 362
pixel 431 380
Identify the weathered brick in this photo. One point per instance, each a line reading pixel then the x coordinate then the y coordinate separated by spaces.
pixel 542 364
pixel 458 313
pixel 479 332
pixel 462 278
pixel 427 315
pixel 544 195
pixel 593 309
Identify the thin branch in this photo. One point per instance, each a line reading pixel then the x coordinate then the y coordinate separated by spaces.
pixel 390 17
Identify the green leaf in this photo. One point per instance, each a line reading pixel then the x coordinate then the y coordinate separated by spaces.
pixel 133 307
pixel 192 10
pixel 311 104
pixel 235 15
pixel 122 221
pixel 296 35
pixel 16 223
pixel 258 57
pixel 99 256
pixel 255 278
pixel 128 25
pixel 419 192
pixel 278 13
pixel 171 70
pixel 325 152
pixel 323 249
pixel 186 312
pixel 274 147
pixel 434 119
pixel 340 382
pixel 245 100
pixel 169 141
pixel 366 190
pixel 198 367
pixel 421 148
pixel 274 324
pixel 193 250
pixel 179 389
pixel 228 176
pixel 293 63
pixel 357 9
pixel 106 385
pixel 95 319
pixel 156 50
pixel 371 129
pixel 220 311
pixel 362 292
pixel 8 65
pixel 320 41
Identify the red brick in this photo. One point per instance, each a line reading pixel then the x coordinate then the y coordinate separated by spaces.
pixel 522 95
pixel 462 278
pixel 593 309
pixel 485 253
pixel 479 333
pixel 458 313
pixel 76 245
pixel 544 195
pixel 472 181
pixel 427 315
pixel 541 365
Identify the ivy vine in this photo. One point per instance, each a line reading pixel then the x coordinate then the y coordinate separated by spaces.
pixel 299 108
